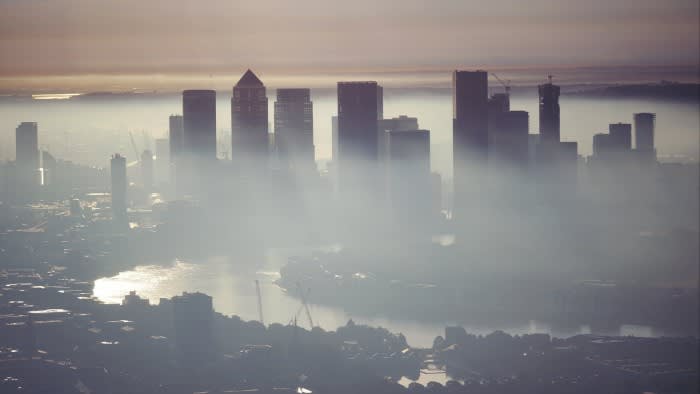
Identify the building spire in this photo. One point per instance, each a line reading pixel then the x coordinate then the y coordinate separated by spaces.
pixel 249 79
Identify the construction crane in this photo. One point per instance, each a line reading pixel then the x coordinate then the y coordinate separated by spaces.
pixel 136 151
pixel 306 305
pixel 133 145
pixel 260 308
pixel 506 84
pixel 301 307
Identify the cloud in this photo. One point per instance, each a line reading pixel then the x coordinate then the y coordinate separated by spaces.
pixel 58 37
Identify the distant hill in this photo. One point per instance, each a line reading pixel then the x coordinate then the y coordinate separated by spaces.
pixel 662 90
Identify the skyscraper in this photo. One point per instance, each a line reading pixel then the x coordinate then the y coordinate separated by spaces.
pixel 470 113
pixel 509 138
pixel 499 102
pixel 294 128
pixel 199 123
pixel 470 137
pixel 602 145
pixel 119 183
pixel 621 136
pixel 249 122
pixel 176 135
pixel 360 106
pixel 644 124
pixel 409 179
pixel 27 153
pixel 549 112
pixel 402 122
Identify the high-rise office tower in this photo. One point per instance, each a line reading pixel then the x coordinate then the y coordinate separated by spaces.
pixel 499 102
pixel 602 145
pixel 549 112
pixel 360 106
pixel 470 137
pixel 199 124
pixel 249 122
pixel 402 122
pixel 568 151
pixel 294 128
pixel 147 170
pixel 409 179
pixel 176 135
pixel 27 153
pixel 470 113
pixel 509 138
pixel 644 124
pixel 119 183
pixel 621 136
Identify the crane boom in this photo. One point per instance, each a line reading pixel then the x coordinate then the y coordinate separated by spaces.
pixel 306 305
pixel 260 308
pixel 505 84
pixel 133 145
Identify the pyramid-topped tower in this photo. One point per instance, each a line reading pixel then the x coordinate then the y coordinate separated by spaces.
pixel 249 122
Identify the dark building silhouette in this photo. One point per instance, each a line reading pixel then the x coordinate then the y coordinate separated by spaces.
pixel 176 135
pixel 147 170
pixel 549 112
pixel 199 123
pixel 27 153
pixel 498 103
pixel 409 179
pixel 568 151
pixel 644 125
pixel 469 134
pixel 470 110
pixel 621 136
pixel 509 138
pixel 294 128
pixel 360 106
pixel 249 122
pixel 402 122
pixel 193 318
pixel 119 184
pixel 568 162
pixel 602 145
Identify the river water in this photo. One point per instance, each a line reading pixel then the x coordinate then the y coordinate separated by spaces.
pixel 233 292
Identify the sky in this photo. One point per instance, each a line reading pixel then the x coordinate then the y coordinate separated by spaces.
pixel 92 43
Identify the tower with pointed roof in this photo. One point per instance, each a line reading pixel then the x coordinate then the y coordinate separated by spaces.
pixel 249 122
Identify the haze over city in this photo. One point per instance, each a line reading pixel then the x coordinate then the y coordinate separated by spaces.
pixel 325 197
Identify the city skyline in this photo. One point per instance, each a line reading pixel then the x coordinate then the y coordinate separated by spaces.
pixel 382 197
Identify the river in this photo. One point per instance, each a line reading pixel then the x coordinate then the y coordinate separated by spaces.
pixel 233 292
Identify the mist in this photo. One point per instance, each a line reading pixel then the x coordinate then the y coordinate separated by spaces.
pixel 521 238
